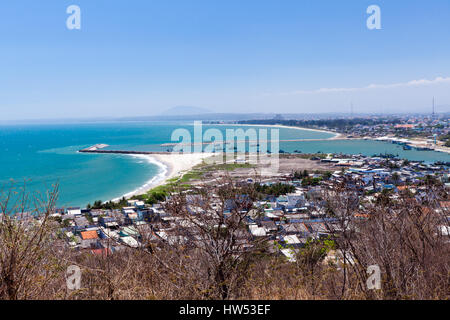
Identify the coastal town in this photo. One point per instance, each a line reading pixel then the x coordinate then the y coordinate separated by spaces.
pixel 419 132
pixel 290 210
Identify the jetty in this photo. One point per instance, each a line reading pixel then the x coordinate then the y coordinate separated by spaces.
pixel 96 147
pixel 99 148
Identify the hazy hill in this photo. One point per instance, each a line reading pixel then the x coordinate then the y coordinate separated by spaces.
pixel 185 111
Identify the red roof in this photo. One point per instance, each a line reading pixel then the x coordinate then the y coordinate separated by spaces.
pixel 88 235
pixel 445 204
pixel 405 126
pixel 102 252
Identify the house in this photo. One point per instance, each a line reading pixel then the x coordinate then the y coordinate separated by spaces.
pixel 296 228
pixel 290 254
pixel 129 241
pixel 269 226
pixel 319 229
pixel 89 244
pixel 108 222
pixel 81 222
pixel 299 216
pixel 106 233
pixel 89 235
pixel 445 205
pixel 139 205
pixel 133 215
pixel 257 231
pixel 293 241
pixel 128 210
pixel 281 202
pixel 274 215
pixel 296 200
pixel 103 252
pixel 95 215
pixel 59 212
pixel 194 199
pixel 148 215
pixel 130 231
pixel 132 202
pixel 75 211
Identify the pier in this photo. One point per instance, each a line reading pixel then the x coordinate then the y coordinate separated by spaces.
pixel 98 148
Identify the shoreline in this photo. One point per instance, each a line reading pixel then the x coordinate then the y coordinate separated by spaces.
pixel 174 165
pixel 171 166
pixel 415 143
pixel 340 136
pixel 336 134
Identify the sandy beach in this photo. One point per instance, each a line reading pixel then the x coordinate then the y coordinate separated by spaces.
pixel 172 165
pixel 336 135
pixel 179 164
pixel 175 165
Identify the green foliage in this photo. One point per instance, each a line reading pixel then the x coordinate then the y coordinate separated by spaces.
pixel 89 218
pixel 155 196
pixel 301 174
pixel 192 175
pixel 110 205
pixel 228 166
pixel 338 124
pixel 315 251
pixel 327 175
pixel 430 180
pixel 274 189
pixel 396 177
pixel 65 223
pixel 308 181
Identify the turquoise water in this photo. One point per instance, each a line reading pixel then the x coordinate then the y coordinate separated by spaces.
pixel 45 154
pixel 365 147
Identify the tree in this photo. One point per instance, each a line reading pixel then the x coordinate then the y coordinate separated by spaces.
pixel 395 178
pixel 216 237
pixel 402 236
pixel 29 262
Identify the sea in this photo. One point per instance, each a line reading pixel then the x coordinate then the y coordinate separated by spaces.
pixel 38 156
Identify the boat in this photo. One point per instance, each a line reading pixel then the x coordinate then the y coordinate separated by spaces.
pixel 423 149
pixel 406 147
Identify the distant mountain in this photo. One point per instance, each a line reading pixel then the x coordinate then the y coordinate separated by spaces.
pixel 206 115
pixel 185 111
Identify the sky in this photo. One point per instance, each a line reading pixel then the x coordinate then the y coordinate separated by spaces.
pixel 142 57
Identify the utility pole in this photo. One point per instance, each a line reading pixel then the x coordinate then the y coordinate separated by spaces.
pixel 433 114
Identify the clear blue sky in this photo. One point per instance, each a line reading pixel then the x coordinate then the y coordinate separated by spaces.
pixel 140 57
